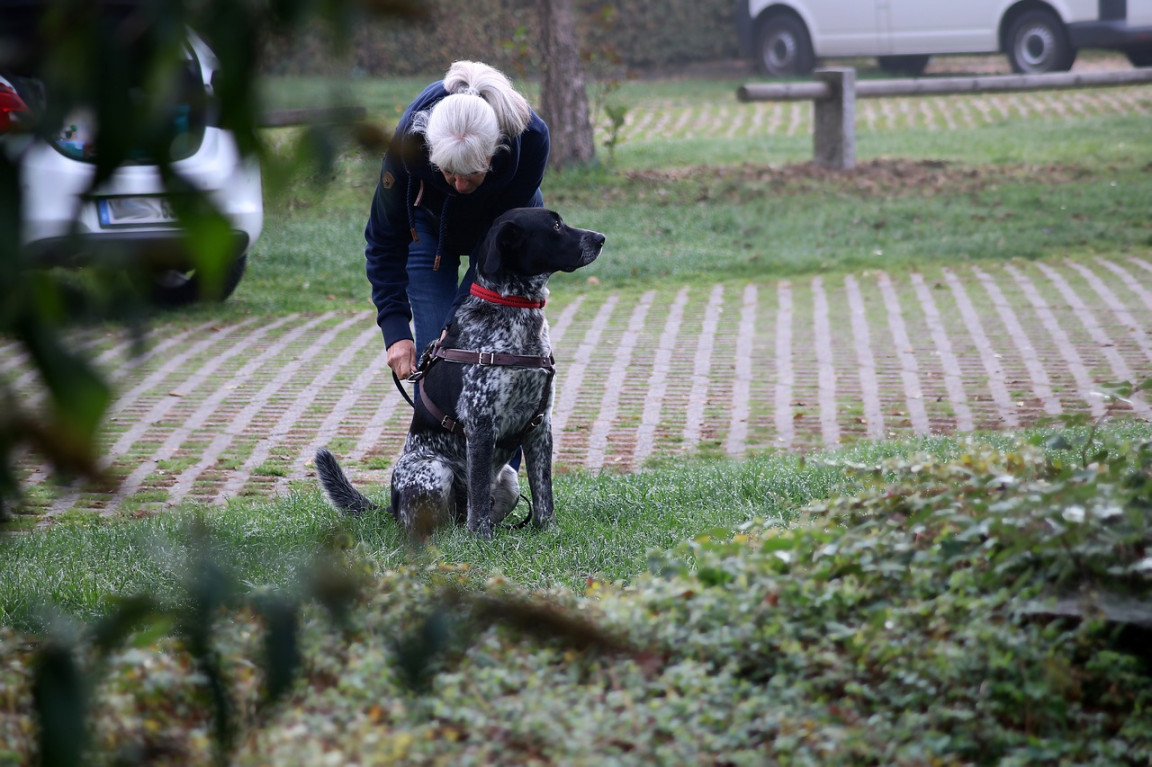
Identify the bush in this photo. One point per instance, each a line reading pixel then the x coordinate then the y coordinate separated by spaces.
pixel 629 34
pixel 993 608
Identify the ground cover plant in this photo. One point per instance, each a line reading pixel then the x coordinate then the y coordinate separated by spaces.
pixel 888 603
pixel 978 601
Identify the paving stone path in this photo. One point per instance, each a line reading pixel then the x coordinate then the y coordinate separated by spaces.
pixel 215 412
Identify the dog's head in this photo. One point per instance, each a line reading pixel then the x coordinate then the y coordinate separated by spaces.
pixel 527 242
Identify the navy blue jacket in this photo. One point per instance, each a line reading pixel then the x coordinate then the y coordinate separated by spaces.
pixel 406 176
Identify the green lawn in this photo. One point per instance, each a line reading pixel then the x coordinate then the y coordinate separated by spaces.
pixel 869 605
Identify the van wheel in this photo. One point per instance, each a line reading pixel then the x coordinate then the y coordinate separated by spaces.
pixel 784 48
pixel 903 65
pixel 1140 57
pixel 176 287
pixel 1038 43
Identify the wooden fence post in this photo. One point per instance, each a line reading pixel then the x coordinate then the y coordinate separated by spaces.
pixel 834 119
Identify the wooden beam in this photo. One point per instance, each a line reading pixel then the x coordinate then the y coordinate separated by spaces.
pixel 942 86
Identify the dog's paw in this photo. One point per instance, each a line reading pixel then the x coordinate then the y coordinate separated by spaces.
pixel 541 518
pixel 481 526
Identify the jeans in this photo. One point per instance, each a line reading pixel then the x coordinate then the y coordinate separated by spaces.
pixel 431 293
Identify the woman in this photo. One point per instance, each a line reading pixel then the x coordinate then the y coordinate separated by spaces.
pixel 466 150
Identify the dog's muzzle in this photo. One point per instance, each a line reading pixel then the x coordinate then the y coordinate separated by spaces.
pixel 591 244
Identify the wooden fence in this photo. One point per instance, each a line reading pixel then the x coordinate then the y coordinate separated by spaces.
pixel 834 92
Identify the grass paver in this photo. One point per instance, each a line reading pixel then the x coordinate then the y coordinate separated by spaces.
pixel 729 368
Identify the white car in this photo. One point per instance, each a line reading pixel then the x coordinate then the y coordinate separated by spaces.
pixel 130 216
pixel 786 37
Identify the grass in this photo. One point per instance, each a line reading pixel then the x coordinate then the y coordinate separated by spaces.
pixel 607 525
pixel 687 208
pixel 889 657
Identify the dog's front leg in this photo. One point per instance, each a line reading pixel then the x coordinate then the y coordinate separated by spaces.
pixel 538 457
pixel 481 446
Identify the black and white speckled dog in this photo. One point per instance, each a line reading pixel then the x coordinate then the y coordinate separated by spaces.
pixel 485 390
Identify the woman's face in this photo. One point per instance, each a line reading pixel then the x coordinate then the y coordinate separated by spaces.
pixel 465 183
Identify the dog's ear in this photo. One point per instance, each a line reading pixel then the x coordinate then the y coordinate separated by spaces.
pixel 506 240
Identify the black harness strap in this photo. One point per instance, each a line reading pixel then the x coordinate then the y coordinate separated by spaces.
pixel 450 422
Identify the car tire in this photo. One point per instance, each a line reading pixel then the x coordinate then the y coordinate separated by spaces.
pixel 1037 43
pixel 1140 57
pixel 783 47
pixel 175 287
pixel 904 65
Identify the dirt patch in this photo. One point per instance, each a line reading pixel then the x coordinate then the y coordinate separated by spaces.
pixel 873 178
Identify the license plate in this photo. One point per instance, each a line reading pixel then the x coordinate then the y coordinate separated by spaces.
pixel 134 211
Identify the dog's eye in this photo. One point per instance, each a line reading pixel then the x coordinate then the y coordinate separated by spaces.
pixel 556 226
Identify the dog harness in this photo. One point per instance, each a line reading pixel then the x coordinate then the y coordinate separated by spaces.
pixel 452 423
pixel 435 353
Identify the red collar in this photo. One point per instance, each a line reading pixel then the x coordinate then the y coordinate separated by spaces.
pixel 516 301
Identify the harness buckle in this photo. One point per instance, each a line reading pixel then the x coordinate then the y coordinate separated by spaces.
pixel 489 360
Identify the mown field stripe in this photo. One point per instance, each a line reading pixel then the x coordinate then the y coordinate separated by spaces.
pixel 657 384
pixel 1063 343
pixel 909 366
pixel 1096 332
pixel 742 375
pixel 701 375
pixel 171 367
pixel 377 369
pixel 953 373
pixel 185 481
pixel 989 357
pixel 604 423
pixel 295 410
pixel 572 378
pixel 865 359
pixel 785 374
pixel 825 366
pixel 1119 311
pixel 1041 384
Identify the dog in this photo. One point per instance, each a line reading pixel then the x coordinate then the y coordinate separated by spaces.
pixel 483 390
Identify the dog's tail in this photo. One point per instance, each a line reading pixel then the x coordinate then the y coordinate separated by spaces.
pixel 337 488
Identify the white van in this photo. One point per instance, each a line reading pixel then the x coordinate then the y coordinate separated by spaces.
pixel 786 37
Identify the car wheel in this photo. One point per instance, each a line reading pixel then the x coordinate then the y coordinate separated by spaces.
pixel 784 48
pixel 903 65
pixel 179 287
pixel 1140 57
pixel 1038 43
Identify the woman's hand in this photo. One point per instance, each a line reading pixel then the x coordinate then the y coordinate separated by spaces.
pixel 402 358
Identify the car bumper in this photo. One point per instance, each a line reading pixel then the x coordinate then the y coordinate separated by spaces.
pixel 56 216
pixel 1115 35
pixel 154 250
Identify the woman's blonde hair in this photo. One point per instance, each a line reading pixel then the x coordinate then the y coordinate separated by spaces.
pixel 464 130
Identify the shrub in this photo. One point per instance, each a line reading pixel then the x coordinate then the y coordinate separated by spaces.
pixel 634 34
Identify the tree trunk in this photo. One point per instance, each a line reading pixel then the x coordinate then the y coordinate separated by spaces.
pixel 563 98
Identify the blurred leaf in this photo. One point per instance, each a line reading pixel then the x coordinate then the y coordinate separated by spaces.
pixel 80 396
pixel 281 646
pixel 418 652
pixel 59 696
pixel 113 630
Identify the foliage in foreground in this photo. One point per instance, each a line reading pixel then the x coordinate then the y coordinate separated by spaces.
pixel 996 607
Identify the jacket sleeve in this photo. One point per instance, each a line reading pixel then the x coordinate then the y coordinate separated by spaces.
pixel 387 238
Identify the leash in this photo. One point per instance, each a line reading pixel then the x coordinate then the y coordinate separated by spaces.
pixel 523 522
pixel 403 392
